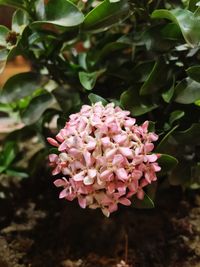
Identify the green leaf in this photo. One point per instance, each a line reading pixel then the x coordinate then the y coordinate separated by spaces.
pixel 67 99
pixel 96 98
pixel 13 3
pixel 164 144
pixel 106 14
pixel 167 163
pixel 167 95
pixel 146 203
pixel 62 13
pixel 110 48
pixel 16 173
pixel 176 115
pixel 88 79
pixel 4 31
pixel 187 91
pixel 137 105
pixel 37 107
pixel 156 78
pixel 2 169
pixel 20 86
pixel 3 59
pixel 193 5
pixel 20 20
pixel 194 73
pixel 188 22
pixel 9 153
pixel 190 136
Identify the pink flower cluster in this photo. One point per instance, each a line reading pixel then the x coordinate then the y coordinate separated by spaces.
pixel 104 157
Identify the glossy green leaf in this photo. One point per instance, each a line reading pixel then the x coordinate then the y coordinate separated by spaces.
pixel 163 146
pixel 156 78
pixel 167 95
pixel 20 86
pixel 176 115
pixel 110 48
pixel 4 31
pixel 9 153
pixel 167 163
pixel 3 59
pixel 187 21
pixel 67 99
pixel 187 91
pixel 194 73
pixel 146 203
pixel 106 14
pixel 136 104
pixel 20 20
pixel 37 107
pixel 62 13
pixel 193 5
pixel 190 136
pixel 88 79
pixel 96 98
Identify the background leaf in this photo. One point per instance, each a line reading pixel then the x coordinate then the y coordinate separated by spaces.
pixel 20 86
pixel 187 21
pixel 37 107
pixel 106 15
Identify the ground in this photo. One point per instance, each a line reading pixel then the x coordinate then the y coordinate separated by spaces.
pixel 39 230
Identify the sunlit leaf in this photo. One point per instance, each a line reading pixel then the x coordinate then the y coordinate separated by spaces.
pixel 19 86
pixel 188 22
pixel 96 98
pixel 187 91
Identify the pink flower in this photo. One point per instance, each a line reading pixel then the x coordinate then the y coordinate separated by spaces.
pixel 104 158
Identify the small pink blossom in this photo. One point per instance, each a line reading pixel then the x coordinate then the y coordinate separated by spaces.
pixel 104 158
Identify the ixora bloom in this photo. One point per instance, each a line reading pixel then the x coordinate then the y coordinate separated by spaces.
pixel 104 158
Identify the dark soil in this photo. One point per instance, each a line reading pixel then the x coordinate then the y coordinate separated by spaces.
pixel 39 230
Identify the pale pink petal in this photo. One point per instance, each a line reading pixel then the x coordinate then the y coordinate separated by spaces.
pixel 151 158
pixel 118 159
pixel 59 137
pixel 110 153
pixel 60 182
pixel 79 176
pixel 112 207
pixel 105 174
pixel 129 122
pixel 63 146
pixel 53 142
pixel 121 174
pixel 105 141
pixel 127 152
pixel 57 170
pixel 120 138
pixel 124 201
pixel 63 193
pixel 87 157
pixel 53 157
pixel 92 173
pixel 82 202
pixel 105 212
pixel 140 194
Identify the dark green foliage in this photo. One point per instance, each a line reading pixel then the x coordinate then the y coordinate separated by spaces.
pixel 141 55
